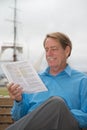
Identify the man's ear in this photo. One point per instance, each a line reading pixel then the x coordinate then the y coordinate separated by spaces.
pixel 67 51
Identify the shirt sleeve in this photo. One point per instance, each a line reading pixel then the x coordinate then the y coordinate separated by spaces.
pixel 20 109
pixel 81 113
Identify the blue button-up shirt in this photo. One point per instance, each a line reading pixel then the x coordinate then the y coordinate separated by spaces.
pixel 69 84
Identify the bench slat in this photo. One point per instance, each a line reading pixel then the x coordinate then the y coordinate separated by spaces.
pixel 5 110
pixel 4 126
pixel 5 119
pixel 6 101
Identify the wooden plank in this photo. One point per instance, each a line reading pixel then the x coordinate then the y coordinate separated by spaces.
pixel 4 126
pixel 6 101
pixel 5 119
pixel 5 110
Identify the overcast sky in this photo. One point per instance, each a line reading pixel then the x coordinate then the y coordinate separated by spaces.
pixel 36 18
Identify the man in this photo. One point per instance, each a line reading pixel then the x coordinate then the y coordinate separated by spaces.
pixel 64 105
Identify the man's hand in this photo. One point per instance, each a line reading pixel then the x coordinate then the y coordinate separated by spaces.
pixel 15 91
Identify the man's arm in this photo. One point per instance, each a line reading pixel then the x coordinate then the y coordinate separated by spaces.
pixel 81 113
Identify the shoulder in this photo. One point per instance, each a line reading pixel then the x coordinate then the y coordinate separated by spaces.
pixel 79 76
pixel 79 73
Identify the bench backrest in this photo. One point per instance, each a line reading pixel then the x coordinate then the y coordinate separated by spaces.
pixel 5 116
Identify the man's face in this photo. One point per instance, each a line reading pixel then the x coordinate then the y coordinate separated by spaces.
pixel 55 54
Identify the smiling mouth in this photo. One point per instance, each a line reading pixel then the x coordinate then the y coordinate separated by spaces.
pixel 50 58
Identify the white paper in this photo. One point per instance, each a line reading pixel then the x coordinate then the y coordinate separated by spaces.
pixel 23 73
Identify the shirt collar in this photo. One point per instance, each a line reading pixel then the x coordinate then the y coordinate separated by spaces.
pixel 67 70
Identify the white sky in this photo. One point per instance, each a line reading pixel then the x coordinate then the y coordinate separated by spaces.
pixel 39 17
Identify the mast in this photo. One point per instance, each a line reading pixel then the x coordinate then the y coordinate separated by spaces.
pixel 15 32
pixel 14 45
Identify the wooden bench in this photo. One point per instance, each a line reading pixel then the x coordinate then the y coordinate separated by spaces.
pixel 5 116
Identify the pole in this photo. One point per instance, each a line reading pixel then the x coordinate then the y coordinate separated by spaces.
pixel 15 32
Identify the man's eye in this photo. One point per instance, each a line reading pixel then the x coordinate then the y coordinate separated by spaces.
pixel 51 49
pixel 54 49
